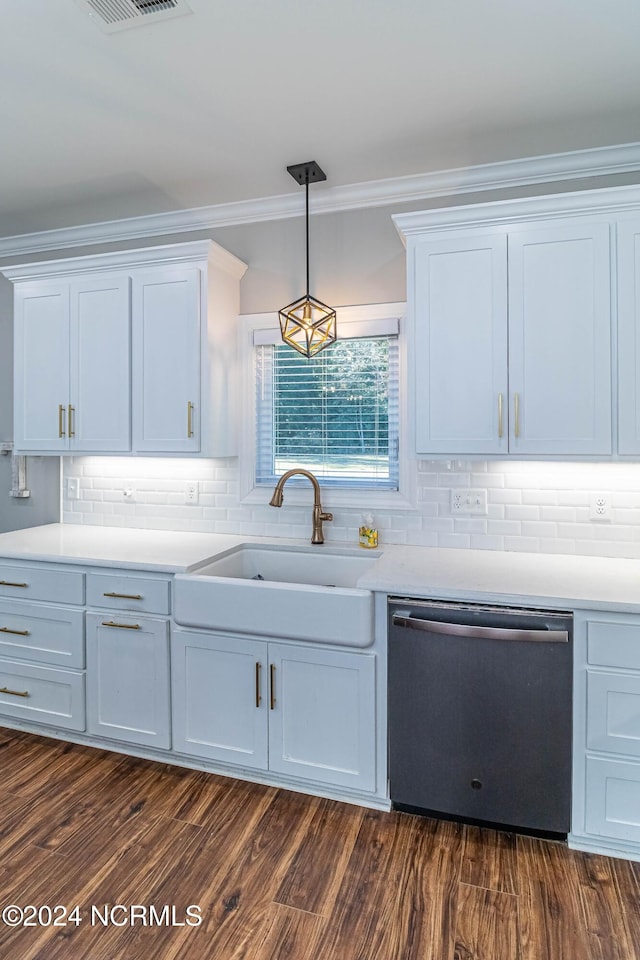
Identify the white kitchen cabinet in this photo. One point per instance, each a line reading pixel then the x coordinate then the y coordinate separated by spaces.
pixel 42 656
pixel 460 337
pixel 606 780
pixel 139 337
pixel 299 710
pixel 219 698
pixel 509 336
pixel 72 366
pixel 629 336
pixel 128 678
pixel 560 340
pixel 322 715
pixel 166 354
pixel 35 693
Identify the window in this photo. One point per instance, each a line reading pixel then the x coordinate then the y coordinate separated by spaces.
pixel 336 414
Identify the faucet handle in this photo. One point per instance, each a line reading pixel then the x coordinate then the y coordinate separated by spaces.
pixel 326 516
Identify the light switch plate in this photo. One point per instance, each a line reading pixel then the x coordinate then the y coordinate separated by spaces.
pixel 73 488
pixel 469 502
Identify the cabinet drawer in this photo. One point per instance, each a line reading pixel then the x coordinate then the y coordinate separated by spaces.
pixel 35 631
pixel 613 799
pixel 613 712
pixel 614 644
pixel 113 591
pixel 42 694
pixel 38 583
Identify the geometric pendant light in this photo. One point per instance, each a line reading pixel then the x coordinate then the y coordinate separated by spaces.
pixel 307 324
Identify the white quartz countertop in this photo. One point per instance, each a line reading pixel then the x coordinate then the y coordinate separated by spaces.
pixel 168 551
pixel 476 575
pixel 513 578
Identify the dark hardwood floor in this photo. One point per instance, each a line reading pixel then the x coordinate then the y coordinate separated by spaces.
pixel 278 875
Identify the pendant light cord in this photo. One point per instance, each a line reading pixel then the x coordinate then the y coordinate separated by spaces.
pixel 306 187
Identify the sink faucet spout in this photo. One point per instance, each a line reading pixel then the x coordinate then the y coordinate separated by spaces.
pixel 319 515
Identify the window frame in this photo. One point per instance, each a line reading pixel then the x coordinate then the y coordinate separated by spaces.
pixel 250 493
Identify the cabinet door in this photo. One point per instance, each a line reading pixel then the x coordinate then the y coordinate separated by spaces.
pixel 100 394
pixel 629 336
pixel 166 361
pixel 460 359
pixel 128 678
pixel 220 698
pixel 559 340
pixel 322 715
pixel 41 352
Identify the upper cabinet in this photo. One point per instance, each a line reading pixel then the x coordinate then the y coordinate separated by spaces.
pixel 510 330
pixel 167 350
pixel 629 336
pixel 459 351
pixel 559 339
pixel 132 352
pixel 72 367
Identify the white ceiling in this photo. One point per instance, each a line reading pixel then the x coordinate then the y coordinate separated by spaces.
pixel 211 107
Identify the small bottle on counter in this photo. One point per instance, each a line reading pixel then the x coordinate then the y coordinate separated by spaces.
pixel 368 534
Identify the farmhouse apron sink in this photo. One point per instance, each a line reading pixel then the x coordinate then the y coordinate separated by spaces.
pixel 304 593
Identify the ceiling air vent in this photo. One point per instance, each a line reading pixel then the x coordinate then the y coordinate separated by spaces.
pixel 112 15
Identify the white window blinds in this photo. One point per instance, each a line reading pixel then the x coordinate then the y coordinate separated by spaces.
pixel 336 414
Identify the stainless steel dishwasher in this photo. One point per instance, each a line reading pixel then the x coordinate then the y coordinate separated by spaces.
pixel 480 703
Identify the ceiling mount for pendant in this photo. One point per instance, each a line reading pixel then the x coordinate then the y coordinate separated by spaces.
pixel 308 325
pixel 306 173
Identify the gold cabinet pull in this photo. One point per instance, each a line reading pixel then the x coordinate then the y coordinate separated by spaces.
pixel 121 626
pixel 15 693
pixel 189 419
pixel 72 410
pixel 61 409
pixel 258 697
pixel 516 410
pixel 8 583
pixel 124 596
pixel 17 633
pixel 500 425
pixel 272 686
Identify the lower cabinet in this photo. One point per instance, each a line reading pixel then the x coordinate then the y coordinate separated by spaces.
pixel 303 711
pixel 128 678
pixel 41 694
pixel 607 747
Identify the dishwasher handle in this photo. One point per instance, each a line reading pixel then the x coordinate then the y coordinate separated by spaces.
pixel 479 632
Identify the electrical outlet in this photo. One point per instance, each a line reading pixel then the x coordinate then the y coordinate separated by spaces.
pixel 73 488
pixel 191 492
pixel 469 501
pixel 599 507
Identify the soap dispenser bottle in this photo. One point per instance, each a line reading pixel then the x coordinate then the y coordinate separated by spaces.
pixel 368 533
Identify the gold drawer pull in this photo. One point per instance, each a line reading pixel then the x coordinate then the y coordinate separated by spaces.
pixel 72 410
pixel 516 407
pixel 121 626
pixel 272 687
pixel 8 583
pixel 61 409
pixel 15 693
pixel 189 419
pixel 258 697
pixel 124 596
pixel 18 633
pixel 500 417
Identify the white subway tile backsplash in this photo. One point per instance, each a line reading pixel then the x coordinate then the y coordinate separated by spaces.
pixel 540 507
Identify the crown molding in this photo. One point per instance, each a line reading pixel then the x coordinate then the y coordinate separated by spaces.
pixel 608 201
pixel 170 254
pixel 504 174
